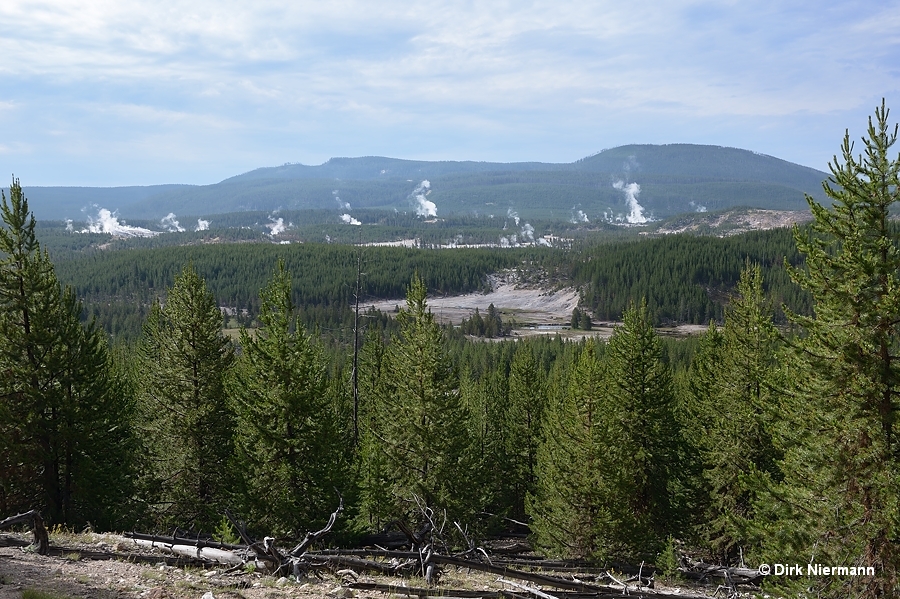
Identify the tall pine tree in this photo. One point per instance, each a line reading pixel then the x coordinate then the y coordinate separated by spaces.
pixel 645 439
pixel 417 439
pixel 64 425
pixel 839 502
pixel 733 381
pixel 186 358
pixel 288 439
pixel 570 507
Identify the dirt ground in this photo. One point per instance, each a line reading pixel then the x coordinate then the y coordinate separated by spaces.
pixel 71 576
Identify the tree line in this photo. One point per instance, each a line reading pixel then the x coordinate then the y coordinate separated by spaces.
pixel 750 444
pixel 684 278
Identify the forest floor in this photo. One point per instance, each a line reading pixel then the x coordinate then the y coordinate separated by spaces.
pixel 71 576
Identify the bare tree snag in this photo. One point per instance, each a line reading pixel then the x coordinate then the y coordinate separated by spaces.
pixel 41 539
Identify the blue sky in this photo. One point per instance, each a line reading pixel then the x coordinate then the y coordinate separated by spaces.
pixel 122 92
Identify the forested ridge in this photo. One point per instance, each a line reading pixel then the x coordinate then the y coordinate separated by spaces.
pixel 753 444
pixel 674 179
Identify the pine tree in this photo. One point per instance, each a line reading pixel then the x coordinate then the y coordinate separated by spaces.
pixel 839 502
pixel 417 436
pixel 570 511
pixel 645 441
pixel 732 383
pixel 527 400
pixel 186 358
pixel 66 444
pixel 288 440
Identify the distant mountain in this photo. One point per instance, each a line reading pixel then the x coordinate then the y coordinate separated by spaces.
pixel 624 184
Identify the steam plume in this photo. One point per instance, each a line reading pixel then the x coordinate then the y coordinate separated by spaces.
pixel 170 224
pixel 342 205
pixel 635 214
pixel 276 227
pixel 578 216
pixel 108 222
pixel 424 207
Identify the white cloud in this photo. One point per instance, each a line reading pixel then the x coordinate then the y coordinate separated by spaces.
pixel 124 81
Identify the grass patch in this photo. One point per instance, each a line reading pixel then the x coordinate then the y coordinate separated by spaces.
pixel 36 594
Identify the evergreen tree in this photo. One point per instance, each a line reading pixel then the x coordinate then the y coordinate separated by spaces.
pixel 575 321
pixel 186 358
pixel 839 502
pixel 645 441
pixel 288 440
pixel 731 382
pixel 570 508
pixel 527 399
pixel 66 445
pixel 375 496
pixel 418 440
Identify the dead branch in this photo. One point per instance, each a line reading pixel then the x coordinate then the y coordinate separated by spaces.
pixel 312 537
pixel 696 570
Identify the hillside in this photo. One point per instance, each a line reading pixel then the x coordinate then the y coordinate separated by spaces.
pixel 627 185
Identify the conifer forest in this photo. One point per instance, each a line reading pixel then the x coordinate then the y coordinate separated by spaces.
pixel 129 400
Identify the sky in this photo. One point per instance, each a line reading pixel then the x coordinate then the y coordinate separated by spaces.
pixel 130 92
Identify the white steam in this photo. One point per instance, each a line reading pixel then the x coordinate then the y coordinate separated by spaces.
pixel 424 206
pixel 527 233
pixel 276 226
pixel 525 237
pixel 635 214
pixel 202 225
pixel 349 220
pixel 108 222
pixel 697 207
pixel 513 215
pixel 342 205
pixel 69 227
pixel 170 224
pixel 578 216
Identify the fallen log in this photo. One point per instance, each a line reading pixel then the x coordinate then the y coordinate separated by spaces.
pixel 695 570
pixel 423 593
pixel 208 554
pixel 176 540
pixel 601 593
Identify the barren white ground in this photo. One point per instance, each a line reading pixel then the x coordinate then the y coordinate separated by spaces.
pixel 533 310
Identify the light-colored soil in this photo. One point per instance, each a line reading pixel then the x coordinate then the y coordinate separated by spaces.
pixel 532 310
pixel 71 576
pixel 523 304
pixel 735 222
